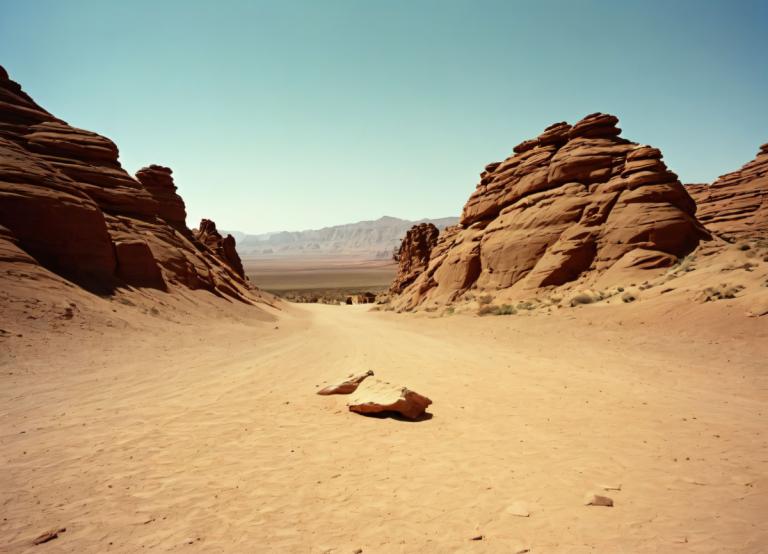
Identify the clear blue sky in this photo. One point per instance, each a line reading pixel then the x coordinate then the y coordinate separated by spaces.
pixel 295 114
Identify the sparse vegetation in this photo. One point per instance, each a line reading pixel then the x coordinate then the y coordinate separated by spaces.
pixel 485 299
pixel 684 265
pixel 722 292
pixel 492 309
pixel 582 298
pixel 628 297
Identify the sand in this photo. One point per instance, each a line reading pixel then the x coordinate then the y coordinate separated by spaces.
pixel 204 434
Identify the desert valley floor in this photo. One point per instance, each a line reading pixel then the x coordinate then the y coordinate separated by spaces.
pixel 207 436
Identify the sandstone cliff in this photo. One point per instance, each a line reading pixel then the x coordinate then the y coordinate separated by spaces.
pixel 68 209
pixel 567 207
pixel 735 206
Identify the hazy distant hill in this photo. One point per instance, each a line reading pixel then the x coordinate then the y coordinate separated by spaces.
pixel 374 239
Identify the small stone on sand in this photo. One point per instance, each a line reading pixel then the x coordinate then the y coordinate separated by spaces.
pixel 519 509
pixel 48 536
pixel 611 487
pixel 597 500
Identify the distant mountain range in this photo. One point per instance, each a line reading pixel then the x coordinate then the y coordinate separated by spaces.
pixel 371 239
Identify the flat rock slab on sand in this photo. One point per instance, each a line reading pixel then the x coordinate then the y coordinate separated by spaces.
pixel 346 387
pixel 377 397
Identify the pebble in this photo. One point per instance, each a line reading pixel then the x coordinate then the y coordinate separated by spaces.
pixel 598 500
pixel 519 509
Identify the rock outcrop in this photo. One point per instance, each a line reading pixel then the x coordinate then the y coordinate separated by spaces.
pixel 377 397
pixel 68 206
pixel 224 247
pixel 413 254
pixel 735 206
pixel 565 208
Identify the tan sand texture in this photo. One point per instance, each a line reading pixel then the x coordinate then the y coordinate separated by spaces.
pixel 206 435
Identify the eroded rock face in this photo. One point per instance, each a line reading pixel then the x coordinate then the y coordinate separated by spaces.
pixel 67 204
pixel 413 254
pixel 377 397
pixel 565 207
pixel 223 247
pixel 159 184
pixel 735 206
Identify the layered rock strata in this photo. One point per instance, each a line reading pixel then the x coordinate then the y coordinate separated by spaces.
pixel 735 206
pixel 223 247
pixel 565 207
pixel 67 204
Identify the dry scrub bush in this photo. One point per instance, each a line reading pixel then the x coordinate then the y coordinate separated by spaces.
pixel 490 309
pixel 485 299
pixel 628 297
pixel 723 292
pixel 581 298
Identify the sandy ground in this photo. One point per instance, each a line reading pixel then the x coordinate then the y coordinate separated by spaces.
pixel 207 435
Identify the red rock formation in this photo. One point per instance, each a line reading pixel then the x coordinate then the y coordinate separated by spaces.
pixel 67 204
pixel 735 206
pixel 566 206
pixel 413 254
pixel 159 183
pixel 223 247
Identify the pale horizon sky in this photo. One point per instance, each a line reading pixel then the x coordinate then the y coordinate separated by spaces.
pixel 299 114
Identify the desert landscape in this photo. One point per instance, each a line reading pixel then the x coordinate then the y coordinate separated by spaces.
pixel 575 364
pixel 324 278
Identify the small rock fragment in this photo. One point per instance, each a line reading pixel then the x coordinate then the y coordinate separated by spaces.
pixel 477 538
pixel 519 509
pixel 48 536
pixel 598 500
pixel 611 486
pixel 346 387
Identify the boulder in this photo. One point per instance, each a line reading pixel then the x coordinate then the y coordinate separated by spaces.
pixel 378 397
pixel 137 265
